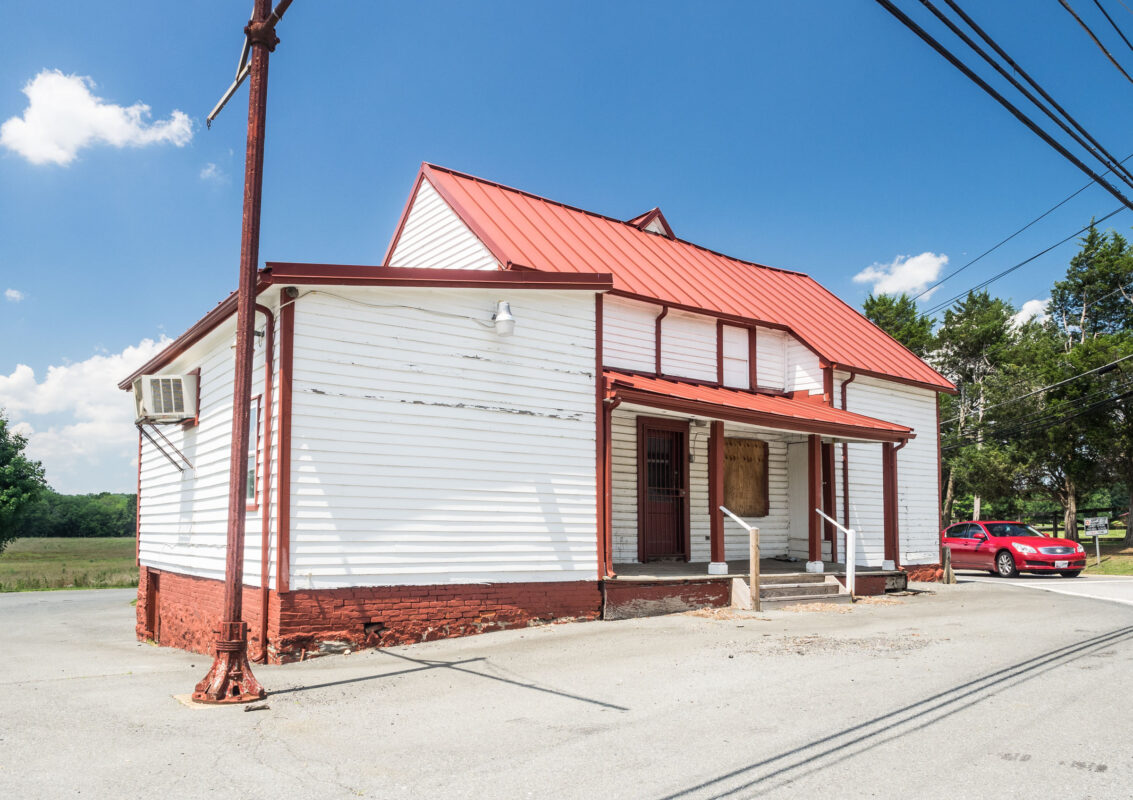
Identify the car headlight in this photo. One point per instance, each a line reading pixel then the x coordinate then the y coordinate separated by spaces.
pixel 1079 548
pixel 1025 549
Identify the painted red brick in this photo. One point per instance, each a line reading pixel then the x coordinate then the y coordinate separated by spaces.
pixel 310 622
pixel 924 572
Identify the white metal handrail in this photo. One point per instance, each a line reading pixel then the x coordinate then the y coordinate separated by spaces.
pixel 753 556
pixel 851 550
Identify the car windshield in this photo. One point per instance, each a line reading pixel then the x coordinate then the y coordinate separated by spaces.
pixel 1011 529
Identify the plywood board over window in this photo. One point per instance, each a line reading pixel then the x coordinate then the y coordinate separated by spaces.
pixel 746 485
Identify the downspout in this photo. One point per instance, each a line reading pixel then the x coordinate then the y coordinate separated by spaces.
pixel 609 404
pixel 265 506
pixel 846 461
pixel 657 339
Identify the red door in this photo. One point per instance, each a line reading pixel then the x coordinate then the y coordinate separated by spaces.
pixel 662 469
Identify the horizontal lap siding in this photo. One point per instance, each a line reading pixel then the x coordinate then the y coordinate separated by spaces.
pixel 771 358
pixel 688 346
pixel 804 373
pixel 184 515
pixel 773 527
pixel 629 335
pixel 917 498
pixel 435 237
pixel 428 449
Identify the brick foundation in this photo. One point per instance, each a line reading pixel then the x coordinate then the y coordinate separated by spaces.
pixel 379 616
pixel 189 608
pixel 929 573
pixel 629 599
pixel 312 622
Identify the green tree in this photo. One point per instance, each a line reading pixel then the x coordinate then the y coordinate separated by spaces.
pixel 975 340
pixel 898 316
pixel 1096 296
pixel 21 481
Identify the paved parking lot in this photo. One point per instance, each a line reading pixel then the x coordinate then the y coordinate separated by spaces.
pixel 975 690
pixel 1114 588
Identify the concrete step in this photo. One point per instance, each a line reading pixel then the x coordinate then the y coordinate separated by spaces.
pixel 797 590
pixel 771 580
pixel 779 602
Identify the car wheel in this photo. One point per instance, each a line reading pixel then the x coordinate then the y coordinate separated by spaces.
pixel 1005 565
pixel 1070 573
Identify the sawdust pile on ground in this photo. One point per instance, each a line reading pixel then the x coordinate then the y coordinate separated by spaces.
pixel 724 614
pixel 874 645
pixel 828 608
pixel 880 600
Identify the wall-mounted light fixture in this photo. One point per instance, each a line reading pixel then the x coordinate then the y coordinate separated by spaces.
pixel 503 320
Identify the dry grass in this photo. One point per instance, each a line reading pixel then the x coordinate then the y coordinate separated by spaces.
pixel 33 564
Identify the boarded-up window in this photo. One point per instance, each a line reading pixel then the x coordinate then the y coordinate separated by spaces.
pixel 745 477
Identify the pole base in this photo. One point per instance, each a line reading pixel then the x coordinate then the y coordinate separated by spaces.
pixel 230 679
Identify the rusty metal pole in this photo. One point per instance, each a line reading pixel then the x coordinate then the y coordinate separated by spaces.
pixel 230 680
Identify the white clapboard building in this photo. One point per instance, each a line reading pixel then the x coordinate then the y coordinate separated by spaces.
pixel 528 412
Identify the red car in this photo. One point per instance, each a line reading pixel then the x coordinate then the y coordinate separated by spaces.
pixel 1008 548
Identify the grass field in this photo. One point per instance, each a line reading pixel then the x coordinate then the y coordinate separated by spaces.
pixel 37 564
pixel 1116 559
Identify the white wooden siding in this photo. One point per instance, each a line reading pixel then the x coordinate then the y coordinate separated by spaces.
pixel 435 237
pixel 804 373
pixel 184 515
pixel 771 358
pixel 688 346
pixel 736 354
pixel 917 495
pixel 629 334
pixel 427 449
pixel 773 528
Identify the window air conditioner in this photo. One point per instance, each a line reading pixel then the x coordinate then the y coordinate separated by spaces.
pixel 165 398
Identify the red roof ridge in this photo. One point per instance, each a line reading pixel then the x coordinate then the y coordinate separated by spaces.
pixel 425 166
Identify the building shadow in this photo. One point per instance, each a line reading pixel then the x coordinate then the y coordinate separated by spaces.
pixel 456 666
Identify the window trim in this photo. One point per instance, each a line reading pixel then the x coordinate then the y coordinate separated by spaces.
pixel 252 503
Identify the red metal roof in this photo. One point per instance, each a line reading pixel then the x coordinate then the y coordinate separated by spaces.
pixel 524 230
pixel 807 416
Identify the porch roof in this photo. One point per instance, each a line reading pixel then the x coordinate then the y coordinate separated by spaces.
pixel 769 411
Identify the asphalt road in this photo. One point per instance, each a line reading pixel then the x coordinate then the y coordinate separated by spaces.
pixel 1114 588
pixel 982 689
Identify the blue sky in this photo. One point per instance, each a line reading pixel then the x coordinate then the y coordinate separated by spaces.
pixel 820 136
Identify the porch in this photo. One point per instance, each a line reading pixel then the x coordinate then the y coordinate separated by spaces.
pixel 676 452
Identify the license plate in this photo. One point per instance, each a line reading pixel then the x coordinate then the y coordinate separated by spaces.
pixel 1061 564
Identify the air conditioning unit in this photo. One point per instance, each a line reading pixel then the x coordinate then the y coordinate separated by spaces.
pixel 165 398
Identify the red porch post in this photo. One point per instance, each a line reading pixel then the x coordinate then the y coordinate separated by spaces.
pixel 814 496
pixel 718 564
pixel 889 500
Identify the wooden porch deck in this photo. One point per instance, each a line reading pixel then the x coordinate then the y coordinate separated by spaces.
pixel 698 570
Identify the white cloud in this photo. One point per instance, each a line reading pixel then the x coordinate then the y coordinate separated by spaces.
pixel 909 274
pixel 14 295
pixel 211 173
pixel 63 117
pixel 76 419
pixel 1031 310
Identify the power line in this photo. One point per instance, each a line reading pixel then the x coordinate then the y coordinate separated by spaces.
pixel 1097 41
pixel 1046 421
pixel 1109 160
pixel 1023 263
pixel 991 250
pixel 1112 23
pixel 1051 386
pixel 1003 101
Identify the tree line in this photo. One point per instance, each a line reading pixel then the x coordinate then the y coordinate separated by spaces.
pixel 28 507
pixel 1042 418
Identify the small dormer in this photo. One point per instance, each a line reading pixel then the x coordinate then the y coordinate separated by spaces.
pixel 653 221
